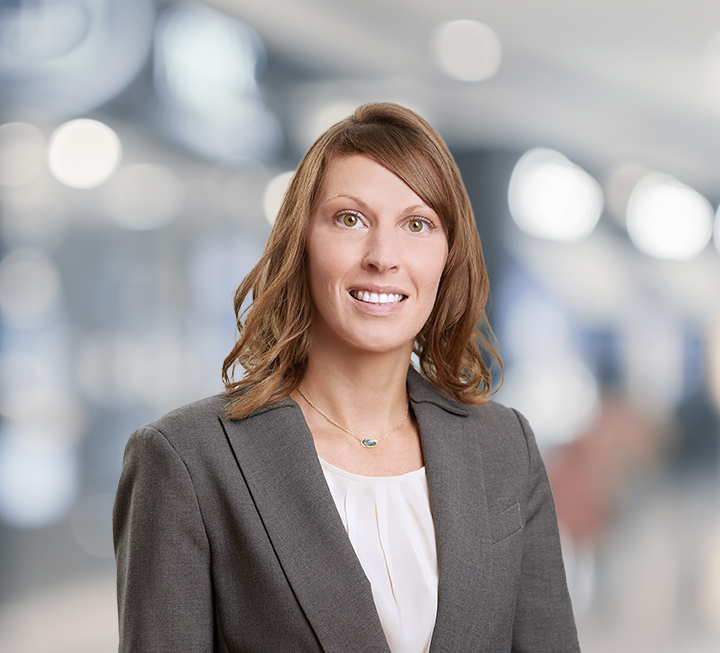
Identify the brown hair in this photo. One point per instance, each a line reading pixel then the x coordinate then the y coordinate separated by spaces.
pixel 273 342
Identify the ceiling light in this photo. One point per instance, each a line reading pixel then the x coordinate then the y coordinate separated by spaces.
pixel 466 50
pixel 667 219
pixel 83 153
pixel 552 198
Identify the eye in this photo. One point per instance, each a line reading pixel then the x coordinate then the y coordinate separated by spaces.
pixel 417 226
pixel 348 219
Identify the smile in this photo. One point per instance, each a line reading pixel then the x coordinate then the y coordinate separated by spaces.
pixel 377 298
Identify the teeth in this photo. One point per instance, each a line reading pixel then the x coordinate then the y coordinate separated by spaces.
pixel 377 298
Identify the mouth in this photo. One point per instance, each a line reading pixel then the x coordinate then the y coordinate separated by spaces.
pixel 377 298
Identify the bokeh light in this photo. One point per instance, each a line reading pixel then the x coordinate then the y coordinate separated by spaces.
pixel 466 50
pixel 83 153
pixel 29 287
pixel 552 198
pixel 145 196
pixel 22 153
pixel 47 31
pixel 206 57
pixel 205 66
pixel 62 58
pixel 559 397
pixel 37 485
pixel 43 416
pixel 667 219
pixel 274 193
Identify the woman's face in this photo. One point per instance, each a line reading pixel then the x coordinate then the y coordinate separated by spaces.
pixel 375 254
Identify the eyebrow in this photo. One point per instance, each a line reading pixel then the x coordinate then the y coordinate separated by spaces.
pixel 409 209
pixel 345 195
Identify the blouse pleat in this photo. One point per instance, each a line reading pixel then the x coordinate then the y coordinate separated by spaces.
pixel 389 523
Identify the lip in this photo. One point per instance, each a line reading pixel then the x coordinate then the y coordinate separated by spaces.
pixel 370 287
pixel 369 308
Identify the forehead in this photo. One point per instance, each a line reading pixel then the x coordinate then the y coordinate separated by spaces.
pixel 362 176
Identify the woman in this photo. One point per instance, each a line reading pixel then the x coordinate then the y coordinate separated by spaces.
pixel 336 499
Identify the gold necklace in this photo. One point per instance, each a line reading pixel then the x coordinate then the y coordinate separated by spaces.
pixel 368 443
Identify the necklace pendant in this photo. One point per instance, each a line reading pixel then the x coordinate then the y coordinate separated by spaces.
pixel 368 443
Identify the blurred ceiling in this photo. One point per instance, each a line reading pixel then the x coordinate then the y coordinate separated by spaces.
pixel 607 83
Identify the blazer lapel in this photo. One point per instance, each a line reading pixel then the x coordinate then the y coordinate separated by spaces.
pixel 459 508
pixel 275 451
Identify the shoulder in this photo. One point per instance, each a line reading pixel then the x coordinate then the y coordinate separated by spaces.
pixel 200 427
pixel 191 417
pixel 185 429
pixel 498 416
pixel 489 418
pixel 497 436
pixel 507 424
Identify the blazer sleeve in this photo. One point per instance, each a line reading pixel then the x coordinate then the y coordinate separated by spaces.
pixel 165 601
pixel 544 621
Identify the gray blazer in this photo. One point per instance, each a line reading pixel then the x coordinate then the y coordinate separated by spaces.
pixel 227 538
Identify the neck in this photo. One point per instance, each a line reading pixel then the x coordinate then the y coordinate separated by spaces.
pixel 363 392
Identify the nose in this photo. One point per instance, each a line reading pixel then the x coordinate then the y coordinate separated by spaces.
pixel 382 254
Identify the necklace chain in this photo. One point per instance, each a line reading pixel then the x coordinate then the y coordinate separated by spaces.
pixel 368 443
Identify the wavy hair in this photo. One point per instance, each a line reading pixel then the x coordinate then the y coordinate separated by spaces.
pixel 274 332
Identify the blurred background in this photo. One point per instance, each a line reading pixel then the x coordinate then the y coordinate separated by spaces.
pixel 144 147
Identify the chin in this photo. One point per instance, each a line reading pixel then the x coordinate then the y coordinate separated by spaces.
pixel 359 336
pixel 380 345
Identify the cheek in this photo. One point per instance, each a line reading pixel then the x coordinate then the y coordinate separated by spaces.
pixel 324 271
pixel 433 268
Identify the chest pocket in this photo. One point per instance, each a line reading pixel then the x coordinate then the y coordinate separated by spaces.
pixel 505 523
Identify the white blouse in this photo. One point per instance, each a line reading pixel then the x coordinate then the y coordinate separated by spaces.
pixel 390 526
